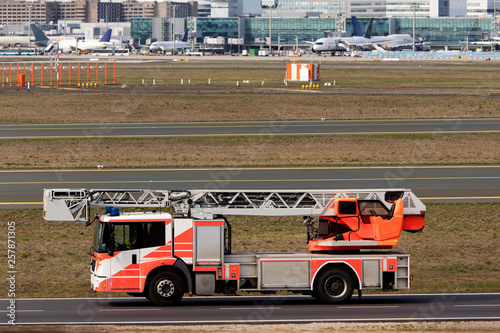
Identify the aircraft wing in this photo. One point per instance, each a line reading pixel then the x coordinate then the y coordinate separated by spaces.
pixel 486 42
pixel 381 45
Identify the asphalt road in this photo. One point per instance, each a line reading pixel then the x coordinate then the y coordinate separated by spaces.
pixel 23 188
pixel 206 129
pixel 263 309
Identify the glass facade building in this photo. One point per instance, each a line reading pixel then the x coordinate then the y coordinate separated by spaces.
pixel 288 29
pixel 217 27
pixel 444 31
pixel 141 29
pixel 434 31
pixel 303 6
pixel 381 26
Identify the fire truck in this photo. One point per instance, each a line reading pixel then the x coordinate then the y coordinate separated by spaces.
pixel 163 255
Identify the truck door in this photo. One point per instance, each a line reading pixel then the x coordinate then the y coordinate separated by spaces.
pixel 124 268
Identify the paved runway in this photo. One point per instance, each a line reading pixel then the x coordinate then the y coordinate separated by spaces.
pixel 207 129
pixel 23 188
pixel 263 309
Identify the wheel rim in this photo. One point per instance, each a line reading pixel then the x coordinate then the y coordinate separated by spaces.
pixel 165 288
pixel 335 286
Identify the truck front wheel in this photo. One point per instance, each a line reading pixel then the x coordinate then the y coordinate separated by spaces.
pixel 165 288
pixel 334 286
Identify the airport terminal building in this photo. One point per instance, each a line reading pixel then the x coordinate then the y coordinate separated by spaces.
pixel 287 33
pixel 288 25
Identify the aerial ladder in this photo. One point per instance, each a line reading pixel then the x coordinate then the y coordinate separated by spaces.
pixel 352 218
pixel 193 252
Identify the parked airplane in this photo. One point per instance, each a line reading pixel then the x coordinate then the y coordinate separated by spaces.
pixel 71 45
pixel 41 39
pixel 366 42
pixel 493 42
pixel 332 44
pixel 165 46
pixel 16 41
pixel 382 43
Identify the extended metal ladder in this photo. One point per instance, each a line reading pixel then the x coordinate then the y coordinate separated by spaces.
pixel 75 204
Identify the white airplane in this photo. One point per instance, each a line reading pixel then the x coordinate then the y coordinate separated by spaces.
pixel 70 45
pixel 332 44
pixel 165 46
pixel 384 43
pixel 366 42
pixel 381 43
pixel 493 42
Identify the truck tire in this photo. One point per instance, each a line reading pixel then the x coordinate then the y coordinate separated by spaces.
pixel 165 288
pixel 334 286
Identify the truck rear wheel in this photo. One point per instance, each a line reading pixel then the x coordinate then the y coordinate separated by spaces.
pixel 165 288
pixel 334 286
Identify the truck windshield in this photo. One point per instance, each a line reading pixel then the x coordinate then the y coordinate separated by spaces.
pixel 101 236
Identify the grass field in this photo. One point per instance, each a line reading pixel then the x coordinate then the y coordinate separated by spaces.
pixel 456 252
pixel 427 149
pixel 360 93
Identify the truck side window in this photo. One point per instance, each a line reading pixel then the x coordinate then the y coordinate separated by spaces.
pixel 153 234
pixel 368 208
pixel 135 235
pixel 347 207
pixel 126 236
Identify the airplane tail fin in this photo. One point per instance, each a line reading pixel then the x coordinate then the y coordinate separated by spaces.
pixel 357 28
pixel 185 37
pixel 40 37
pixel 368 32
pixel 107 36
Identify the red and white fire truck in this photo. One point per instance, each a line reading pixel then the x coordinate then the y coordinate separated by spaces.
pixel 162 256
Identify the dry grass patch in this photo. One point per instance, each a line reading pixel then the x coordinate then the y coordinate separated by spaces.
pixel 458 241
pixel 354 74
pixel 163 105
pixel 253 151
pixel 360 93
pixel 454 326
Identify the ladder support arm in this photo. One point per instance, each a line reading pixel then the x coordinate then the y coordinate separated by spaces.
pixel 75 204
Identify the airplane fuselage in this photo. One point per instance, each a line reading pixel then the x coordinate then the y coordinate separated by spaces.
pixel 165 46
pixel 389 42
pixel 327 45
pixel 70 45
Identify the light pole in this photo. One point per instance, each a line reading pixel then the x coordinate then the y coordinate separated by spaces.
pixel 270 4
pixel 270 29
pixel 29 25
pixel 414 7
pixel 173 29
